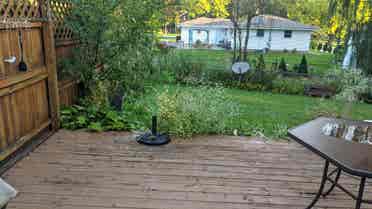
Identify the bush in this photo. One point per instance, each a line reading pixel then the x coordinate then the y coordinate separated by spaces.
pixel 355 86
pixel 180 68
pixel 261 63
pixel 303 67
pixel 93 117
pixel 289 86
pixel 194 111
pixel 283 65
pixel 296 68
pixel 124 45
pixel 198 44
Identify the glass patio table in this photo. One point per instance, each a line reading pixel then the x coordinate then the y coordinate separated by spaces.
pixel 350 157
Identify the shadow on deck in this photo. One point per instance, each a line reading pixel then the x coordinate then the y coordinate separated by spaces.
pixel 77 170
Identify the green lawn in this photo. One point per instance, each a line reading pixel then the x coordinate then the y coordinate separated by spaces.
pixel 221 59
pixel 273 114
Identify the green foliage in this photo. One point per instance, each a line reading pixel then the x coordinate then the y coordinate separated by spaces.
pixel 303 67
pixel 261 63
pixel 289 86
pixel 365 49
pixel 259 113
pixel 120 37
pixel 212 8
pixel 198 110
pixel 352 20
pixel 179 68
pixel 283 65
pixel 355 86
pixel 93 118
pixel 323 109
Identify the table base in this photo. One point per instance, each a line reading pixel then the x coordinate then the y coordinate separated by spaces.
pixel 327 177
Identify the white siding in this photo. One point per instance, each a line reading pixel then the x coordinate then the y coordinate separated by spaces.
pixel 300 40
pixel 185 35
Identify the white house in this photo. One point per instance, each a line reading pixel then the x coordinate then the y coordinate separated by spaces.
pixel 266 32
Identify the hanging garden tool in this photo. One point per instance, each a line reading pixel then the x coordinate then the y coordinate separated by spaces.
pixel 22 67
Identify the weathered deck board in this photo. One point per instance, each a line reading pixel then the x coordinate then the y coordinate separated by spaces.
pixel 77 170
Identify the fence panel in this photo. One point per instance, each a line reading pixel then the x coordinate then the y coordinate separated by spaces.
pixel 28 100
pixel 65 44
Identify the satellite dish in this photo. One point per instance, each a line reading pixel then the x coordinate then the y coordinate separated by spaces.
pixel 241 67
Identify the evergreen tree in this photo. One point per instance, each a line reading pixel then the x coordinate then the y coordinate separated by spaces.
pixel 303 67
pixel 283 66
pixel 261 63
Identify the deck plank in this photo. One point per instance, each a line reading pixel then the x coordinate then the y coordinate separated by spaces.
pixel 79 170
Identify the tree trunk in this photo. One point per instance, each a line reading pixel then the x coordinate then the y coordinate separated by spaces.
pixel 235 20
pixel 234 57
pixel 240 45
pixel 248 27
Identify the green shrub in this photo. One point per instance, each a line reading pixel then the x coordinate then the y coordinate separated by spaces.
pixel 197 110
pixel 198 44
pixel 296 68
pixel 93 117
pixel 355 86
pixel 289 86
pixel 283 65
pixel 124 45
pixel 182 68
pixel 260 63
pixel 303 67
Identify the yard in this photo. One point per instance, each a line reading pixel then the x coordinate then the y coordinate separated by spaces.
pixel 272 114
pixel 320 63
pixel 85 85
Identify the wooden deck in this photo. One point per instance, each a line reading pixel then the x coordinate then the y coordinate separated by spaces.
pixel 76 170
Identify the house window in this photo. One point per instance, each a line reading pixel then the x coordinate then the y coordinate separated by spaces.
pixel 260 33
pixel 288 34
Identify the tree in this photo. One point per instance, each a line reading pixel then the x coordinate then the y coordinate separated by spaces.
pixel 119 34
pixel 210 8
pixel 241 14
pixel 283 65
pixel 303 67
pixel 351 20
pixel 261 63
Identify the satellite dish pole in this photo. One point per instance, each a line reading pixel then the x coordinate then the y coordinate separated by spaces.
pixel 241 68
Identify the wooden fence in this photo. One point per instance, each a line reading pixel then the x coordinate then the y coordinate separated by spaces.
pixel 29 101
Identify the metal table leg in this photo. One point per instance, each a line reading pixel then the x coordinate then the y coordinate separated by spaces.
pixel 324 180
pixel 334 183
pixel 360 194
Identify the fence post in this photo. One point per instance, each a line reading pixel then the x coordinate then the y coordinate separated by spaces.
pixel 51 63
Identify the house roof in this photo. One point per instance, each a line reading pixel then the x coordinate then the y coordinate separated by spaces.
pixel 207 22
pixel 275 22
pixel 258 22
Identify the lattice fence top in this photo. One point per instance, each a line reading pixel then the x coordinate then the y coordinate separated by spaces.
pixel 60 9
pixel 20 10
pixel 31 10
